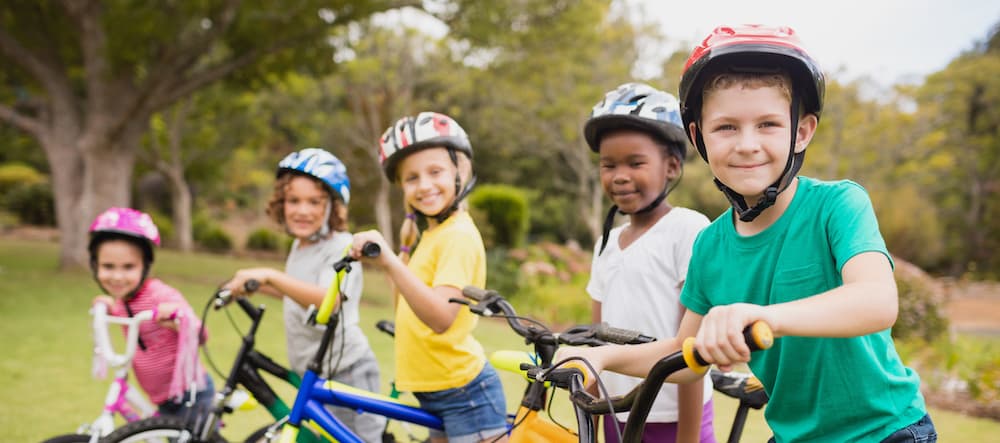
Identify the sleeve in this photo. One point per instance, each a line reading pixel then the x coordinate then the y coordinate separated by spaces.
pixel 594 287
pixel 692 294
pixel 685 244
pixel 458 261
pixel 852 227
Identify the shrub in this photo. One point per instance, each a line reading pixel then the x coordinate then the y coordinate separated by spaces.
pixel 165 224
pixel 215 239
pixel 32 203
pixel 503 273
pixel 919 299
pixel 263 239
pixel 506 211
pixel 15 174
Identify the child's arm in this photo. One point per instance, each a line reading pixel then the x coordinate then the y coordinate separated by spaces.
pixel 429 304
pixel 278 284
pixel 690 404
pixel 637 360
pixel 867 302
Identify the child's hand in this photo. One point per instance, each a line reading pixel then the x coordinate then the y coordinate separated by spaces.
pixel 237 286
pixel 588 354
pixel 720 337
pixel 166 314
pixel 104 299
pixel 362 238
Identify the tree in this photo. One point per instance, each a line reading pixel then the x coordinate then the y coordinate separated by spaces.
pixel 90 74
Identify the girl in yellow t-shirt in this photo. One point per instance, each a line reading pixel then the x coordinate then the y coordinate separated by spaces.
pixel 437 358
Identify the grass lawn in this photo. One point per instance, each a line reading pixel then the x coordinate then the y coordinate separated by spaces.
pixel 48 390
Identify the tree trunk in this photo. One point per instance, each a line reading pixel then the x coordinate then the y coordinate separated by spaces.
pixel 383 212
pixel 66 165
pixel 180 197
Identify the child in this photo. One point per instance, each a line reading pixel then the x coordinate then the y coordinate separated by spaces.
pixel 639 268
pixel 166 364
pixel 801 254
pixel 437 358
pixel 310 201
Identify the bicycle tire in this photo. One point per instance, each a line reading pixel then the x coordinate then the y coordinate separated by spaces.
pixel 69 438
pixel 156 429
pixel 257 436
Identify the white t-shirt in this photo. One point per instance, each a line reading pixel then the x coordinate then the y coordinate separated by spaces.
pixel 314 264
pixel 639 288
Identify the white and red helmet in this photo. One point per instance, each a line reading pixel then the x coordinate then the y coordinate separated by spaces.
pixel 412 134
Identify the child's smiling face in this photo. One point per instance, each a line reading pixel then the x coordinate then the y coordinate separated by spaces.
pixel 304 206
pixel 119 267
pixel 634 169
pixel 747 131
pixel 428 180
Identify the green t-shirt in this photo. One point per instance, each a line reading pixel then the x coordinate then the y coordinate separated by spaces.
pixel 821 389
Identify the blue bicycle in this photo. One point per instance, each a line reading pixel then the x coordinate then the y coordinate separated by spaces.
pixel 316 392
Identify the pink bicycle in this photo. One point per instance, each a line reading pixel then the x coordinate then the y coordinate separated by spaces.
pixel 123 398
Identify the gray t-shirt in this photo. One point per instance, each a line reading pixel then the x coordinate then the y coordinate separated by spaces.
pixel 314 264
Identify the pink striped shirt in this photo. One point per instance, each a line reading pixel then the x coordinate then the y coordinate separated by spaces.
pixel 154 367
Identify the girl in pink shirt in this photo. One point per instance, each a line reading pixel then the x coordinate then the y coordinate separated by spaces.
pixel 166 364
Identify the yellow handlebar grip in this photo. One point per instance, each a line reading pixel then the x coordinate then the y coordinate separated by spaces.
pixel 690 357
pixel 761 336
pixel 587 376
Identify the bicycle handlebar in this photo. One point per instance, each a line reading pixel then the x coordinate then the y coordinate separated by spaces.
pixel 489 303
pixel 639 400
pixel 370 250
pixel 223 296
pixel 102 342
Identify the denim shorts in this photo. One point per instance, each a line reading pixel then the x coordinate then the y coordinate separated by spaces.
pixel 471 413
pixel 920 432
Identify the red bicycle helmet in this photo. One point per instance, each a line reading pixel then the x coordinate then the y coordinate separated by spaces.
pixel 753 49
pixel 750 48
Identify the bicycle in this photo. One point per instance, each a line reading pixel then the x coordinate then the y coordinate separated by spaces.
pixel 639 400
pixel 526 424
pixel 316 392
pixel 122 398
pixel 245 372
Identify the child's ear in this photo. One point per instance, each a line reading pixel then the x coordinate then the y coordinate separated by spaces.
pixel 693 130
pixel 673 166
pixel 805 132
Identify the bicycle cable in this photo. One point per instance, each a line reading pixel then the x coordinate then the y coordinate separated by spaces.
pixel 600 386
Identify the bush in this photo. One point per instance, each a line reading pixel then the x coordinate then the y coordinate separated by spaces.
pixel 264 239
pixel 919 299
pixel 215 239
pixel 506 211
pixel 165 224
pixel 14 175
pixel 32 203
pixel 503 273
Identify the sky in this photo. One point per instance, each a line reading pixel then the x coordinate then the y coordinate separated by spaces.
pixel 892 41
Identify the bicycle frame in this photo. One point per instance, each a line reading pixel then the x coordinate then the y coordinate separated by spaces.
pixel 122 397
pixel 316 391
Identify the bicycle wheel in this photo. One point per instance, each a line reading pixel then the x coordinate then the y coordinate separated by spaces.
pixel 69 438
pixel 156 430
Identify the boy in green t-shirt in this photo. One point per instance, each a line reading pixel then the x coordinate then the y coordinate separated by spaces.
pixel 803 255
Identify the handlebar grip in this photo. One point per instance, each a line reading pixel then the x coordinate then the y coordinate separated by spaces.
pixel 477 294
pixel 371 250
pixel 620 336
pixel 758 336
pixel 386 326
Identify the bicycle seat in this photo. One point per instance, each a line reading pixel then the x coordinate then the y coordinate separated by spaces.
pixel 740 385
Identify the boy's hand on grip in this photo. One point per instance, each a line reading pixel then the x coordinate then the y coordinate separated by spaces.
pixel 720 339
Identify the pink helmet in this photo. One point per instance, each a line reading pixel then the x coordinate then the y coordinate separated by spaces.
pixel 125 223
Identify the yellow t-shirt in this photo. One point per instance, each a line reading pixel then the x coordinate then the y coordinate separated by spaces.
pixel 450 254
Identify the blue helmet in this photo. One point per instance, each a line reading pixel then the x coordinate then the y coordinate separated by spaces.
pixel 640 107
pixel 322 165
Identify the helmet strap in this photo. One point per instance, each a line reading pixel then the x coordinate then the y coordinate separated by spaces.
pixel 323 230
pixel 770 195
